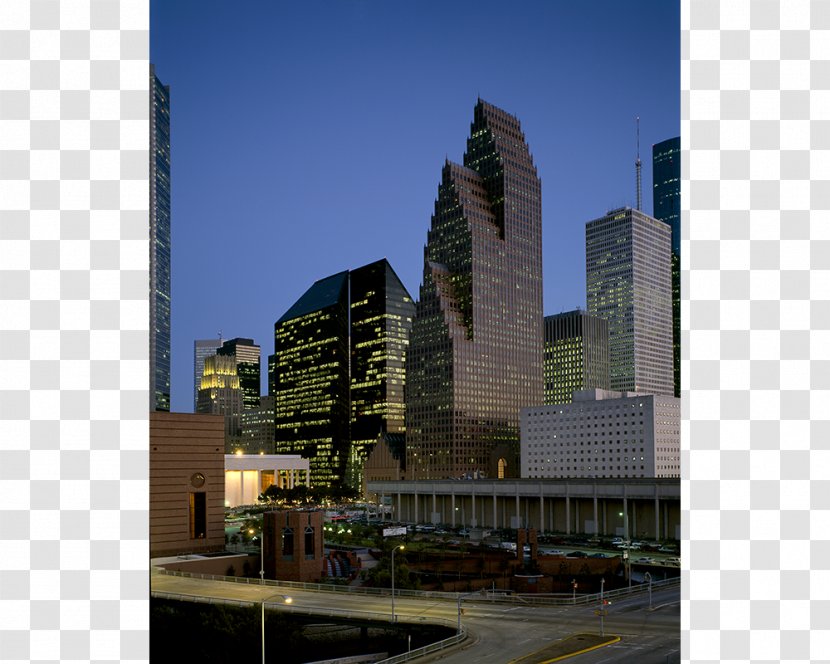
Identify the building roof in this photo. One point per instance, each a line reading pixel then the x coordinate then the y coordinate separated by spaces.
pixel 324 293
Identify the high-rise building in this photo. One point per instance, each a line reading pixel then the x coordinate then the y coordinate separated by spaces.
pixel 311 386
pixel 257 425
pixel 381 318
pixel 603 434
pixel 666 175
pixel 628 268
pixel 202 348
pixel 576 355
pixel 159 243
pixel 475 354
pixel 340 354
pixel 247 357
pixel 220 394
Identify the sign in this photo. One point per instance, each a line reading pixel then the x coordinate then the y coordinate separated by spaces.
pixel 601 612
pixel 393 532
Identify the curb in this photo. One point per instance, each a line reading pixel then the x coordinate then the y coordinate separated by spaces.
pixel 616 639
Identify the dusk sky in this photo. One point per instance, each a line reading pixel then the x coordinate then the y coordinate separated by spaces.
pixel 308 138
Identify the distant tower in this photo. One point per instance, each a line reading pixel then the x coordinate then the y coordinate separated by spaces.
pixel 628 269
pixel 247 357
pixel 475 354
pixel 202 348
pixel 666 176
pixel 159 243
pixel 220 394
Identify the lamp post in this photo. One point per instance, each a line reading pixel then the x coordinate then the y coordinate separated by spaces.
pixel 624 515
pixel 401 547
pixel 261 551
pixel 648 578
pixel 460 597
pixel 285 599
pixel 602 606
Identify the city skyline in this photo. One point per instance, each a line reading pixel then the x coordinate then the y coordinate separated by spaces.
pixel 340 149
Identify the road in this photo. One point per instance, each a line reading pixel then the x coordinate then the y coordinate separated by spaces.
pixel 499 632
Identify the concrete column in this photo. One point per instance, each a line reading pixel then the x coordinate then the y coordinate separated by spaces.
pixel 242 487
pixel 665 520
pixel 452 509
pixel 578 525
pixel 473 517
pixel 518 515
pixel 567 515
pixel 626 525
pixel 399 515
pixel 596 517
pixel 541 513
pixel 656 518
pixel 634 519
pixel 415 495
pixel 495 509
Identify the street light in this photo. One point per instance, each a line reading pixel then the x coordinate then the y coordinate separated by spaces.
pixel 401 547
pixel 648 578
pixel 624 515
pixel 261 551
pixel 460 597
pixel 287 600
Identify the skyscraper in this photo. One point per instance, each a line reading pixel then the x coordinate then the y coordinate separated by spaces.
pixel 381 312
pixel 202 348
pixel 311 385
pixel 220 394
pixel 247 357
pixel 666 175
pixel 628 268
pixel 576 355
pixel 339 357
pixel 159 243
pixel 475 355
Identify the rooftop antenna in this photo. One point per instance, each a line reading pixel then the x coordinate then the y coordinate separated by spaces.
pixel 639 166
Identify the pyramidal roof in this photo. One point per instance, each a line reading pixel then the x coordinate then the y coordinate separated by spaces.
pixel 323 293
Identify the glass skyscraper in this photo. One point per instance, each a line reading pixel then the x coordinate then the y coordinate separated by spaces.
pixel 159 243
pixel 666 175
pixel 475 355
pixel 576 355
pixel 247 357
pixel 339 371
pixel 628 269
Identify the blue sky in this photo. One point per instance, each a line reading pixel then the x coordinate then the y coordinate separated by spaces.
pixel 308 138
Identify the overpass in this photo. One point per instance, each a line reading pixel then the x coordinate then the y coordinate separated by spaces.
pixel 570 506
pixel 494 629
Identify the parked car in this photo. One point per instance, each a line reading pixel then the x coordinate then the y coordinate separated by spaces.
pixel 675 562
pixel 597 555
pixel 645 560
pixel 576 554
pixel 667 549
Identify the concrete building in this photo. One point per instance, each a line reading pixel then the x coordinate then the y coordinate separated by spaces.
pixel 220 394
pixel 187 483
pixel 159 177
pixel 293 545
pixel 248 475
pixel 628 268
pixel 257 428
pixel 571 506
pixel 603 434
pixel 202 348
pixel 386 461
pixel 475 354
pixel 576 355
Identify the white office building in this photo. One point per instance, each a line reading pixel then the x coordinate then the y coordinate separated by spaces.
pixel 602 434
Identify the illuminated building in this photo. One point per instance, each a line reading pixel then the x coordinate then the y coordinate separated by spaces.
pixel 603 434
pixel 381 318
pixel 159 243
pixel 249 475
pixel 311 383
pixel 628 268
pixel 257 428
pixel 340 354
pixel 475 354
pixel 220 394
pixel 246 353
pixel 202 348
pixel 576 354
pixel 666 176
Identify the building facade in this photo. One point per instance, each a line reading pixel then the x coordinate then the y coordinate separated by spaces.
pixel 339 370
pixel 576 355
pixel 247 476
pixel 257 424
pixel 293 545
pixel 475 354
pixel 159 243
pixel 202 348
pixel 628 268
pixel 187 484
pixel 381 312
pixel 247 357
pixel 603 434
pixel 311 344
pixel 666 175
pixel 220 394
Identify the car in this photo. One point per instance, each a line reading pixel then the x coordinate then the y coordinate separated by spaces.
pixel 644 560
pixel 552 552
pixel 667 549
pixel 576 554
pixel 675 562
pixel 597 555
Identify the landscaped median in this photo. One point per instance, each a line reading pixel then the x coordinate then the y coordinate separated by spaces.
pixel 576 644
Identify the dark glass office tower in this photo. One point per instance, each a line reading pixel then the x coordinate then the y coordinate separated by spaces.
pixel 247 368
pixel 576 355
pixel 666 175
pixel 381 319
pixel 311 383
pixel 475 354
pixel 628 274
pixel 159 243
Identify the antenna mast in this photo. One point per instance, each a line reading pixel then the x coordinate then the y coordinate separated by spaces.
pixel 639 166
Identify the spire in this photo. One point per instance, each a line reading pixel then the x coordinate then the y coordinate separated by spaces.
pixel 639 167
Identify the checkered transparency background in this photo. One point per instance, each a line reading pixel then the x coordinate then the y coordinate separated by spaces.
pixel 756 330
pixel 74 330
